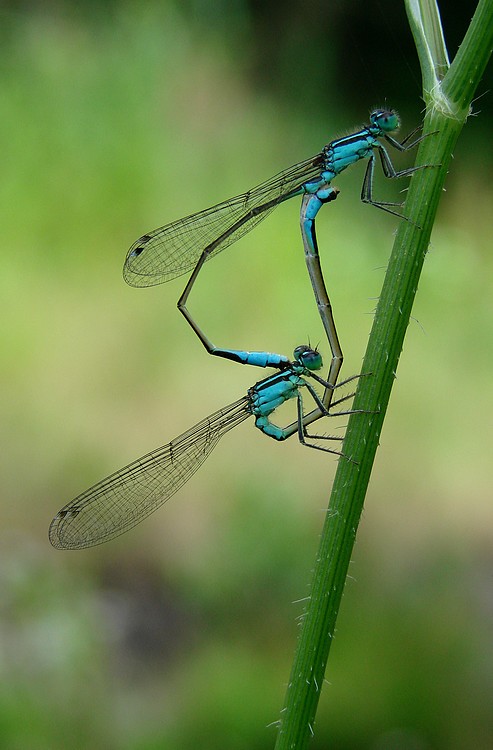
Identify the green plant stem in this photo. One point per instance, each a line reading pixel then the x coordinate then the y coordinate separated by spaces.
pixel 447 109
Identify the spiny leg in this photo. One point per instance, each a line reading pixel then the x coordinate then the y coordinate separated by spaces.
pixel 404 145
pixel 303 434
pixel 389 170
pixel 367 187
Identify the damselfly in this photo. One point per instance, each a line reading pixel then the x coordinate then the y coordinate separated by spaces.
pixel 125 498
pixel 186 244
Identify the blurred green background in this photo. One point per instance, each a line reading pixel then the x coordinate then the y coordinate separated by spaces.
pixel 116 118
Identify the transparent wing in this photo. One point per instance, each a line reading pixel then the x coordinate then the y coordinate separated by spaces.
pixel 174 249
pixel 126 497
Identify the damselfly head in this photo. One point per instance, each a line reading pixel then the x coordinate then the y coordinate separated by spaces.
pixel 386 120
pixel 308 357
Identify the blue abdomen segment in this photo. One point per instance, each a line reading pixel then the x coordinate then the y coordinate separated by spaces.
pixel 317 200
pixel 323 195
pixel 272 430
pixel 258 359
pixel 267 396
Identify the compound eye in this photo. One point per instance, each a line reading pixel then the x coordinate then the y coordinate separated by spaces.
pixel 301 351
pixel 309 358
pixel 385 119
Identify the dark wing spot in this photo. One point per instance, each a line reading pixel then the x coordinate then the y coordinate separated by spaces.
pixel 141 247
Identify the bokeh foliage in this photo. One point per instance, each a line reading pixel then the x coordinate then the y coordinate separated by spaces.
pixel 116 118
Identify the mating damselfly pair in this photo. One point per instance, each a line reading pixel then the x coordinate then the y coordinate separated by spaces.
pixel 126 497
